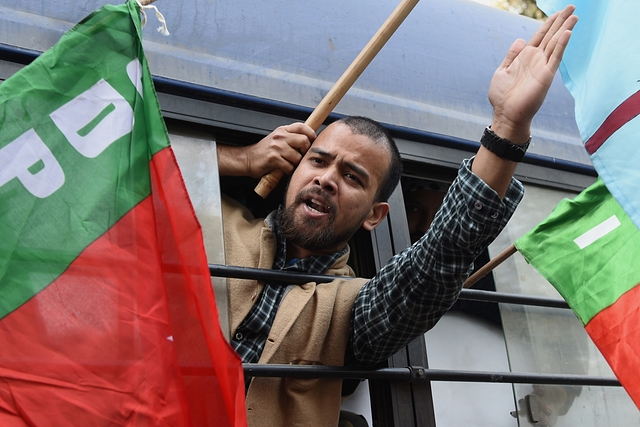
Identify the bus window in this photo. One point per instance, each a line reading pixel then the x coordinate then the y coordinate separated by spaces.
pixel 422 199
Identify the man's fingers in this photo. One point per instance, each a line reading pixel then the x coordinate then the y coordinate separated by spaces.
pixel 555 48
pixel 282 149
pixel 514 50
pixel 537 38
pixel 557 25
pixel 301 143
pixel 288 144
pixel 304 136
pixel 293 157
pixel 556 55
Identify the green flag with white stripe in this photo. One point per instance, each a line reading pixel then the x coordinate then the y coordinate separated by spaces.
pixel 589 250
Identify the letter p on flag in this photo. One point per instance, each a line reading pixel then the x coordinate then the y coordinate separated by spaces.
pixel 29 160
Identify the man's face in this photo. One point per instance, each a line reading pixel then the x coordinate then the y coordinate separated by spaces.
pixel 332 191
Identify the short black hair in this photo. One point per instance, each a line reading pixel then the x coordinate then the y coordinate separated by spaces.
pixel 376 132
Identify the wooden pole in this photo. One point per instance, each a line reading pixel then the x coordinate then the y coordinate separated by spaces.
pixel 488 267
pixel 351 74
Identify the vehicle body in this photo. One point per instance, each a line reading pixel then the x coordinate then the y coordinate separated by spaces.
pixel 232 71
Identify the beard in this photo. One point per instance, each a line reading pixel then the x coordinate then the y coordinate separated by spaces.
pixel 309 233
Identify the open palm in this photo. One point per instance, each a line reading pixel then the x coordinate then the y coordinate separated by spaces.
pixel 522 81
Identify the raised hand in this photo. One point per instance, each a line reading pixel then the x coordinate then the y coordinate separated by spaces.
pixel 521 82
pixel 517 90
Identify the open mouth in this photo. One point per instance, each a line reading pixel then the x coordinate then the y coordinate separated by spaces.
pixel 317 206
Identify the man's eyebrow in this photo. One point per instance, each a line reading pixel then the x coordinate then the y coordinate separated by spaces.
pixel 358 170
pixel 321 152
pixel 354 167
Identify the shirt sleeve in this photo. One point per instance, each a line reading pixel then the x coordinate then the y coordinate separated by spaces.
pixel 414 290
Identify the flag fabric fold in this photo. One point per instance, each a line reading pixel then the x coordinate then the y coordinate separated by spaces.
pixel 600 68
pixel 588 249
pixel 107 315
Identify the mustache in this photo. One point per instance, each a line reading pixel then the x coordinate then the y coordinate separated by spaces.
pixel 303 195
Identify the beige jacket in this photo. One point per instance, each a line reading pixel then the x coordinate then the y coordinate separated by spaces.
pixel 311 328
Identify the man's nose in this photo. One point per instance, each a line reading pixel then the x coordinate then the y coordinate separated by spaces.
pixel 327 180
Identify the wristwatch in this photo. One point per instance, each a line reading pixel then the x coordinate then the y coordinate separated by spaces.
pixel 502 147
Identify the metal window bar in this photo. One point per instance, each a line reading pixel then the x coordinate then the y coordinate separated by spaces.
pixel 415 374
pixel 218 270
pixel 412 374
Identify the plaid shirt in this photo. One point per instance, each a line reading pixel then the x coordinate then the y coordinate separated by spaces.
pixel 412 292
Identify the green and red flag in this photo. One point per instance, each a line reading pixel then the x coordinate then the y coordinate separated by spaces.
pixel 107 315
pixel 589 250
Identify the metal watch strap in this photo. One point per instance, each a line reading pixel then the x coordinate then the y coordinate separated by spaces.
pixel 502 147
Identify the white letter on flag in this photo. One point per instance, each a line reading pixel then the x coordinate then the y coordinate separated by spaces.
pixel 27 152
pixel 134 71
pixel 95 119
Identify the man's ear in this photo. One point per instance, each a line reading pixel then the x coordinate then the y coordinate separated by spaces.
pixel 378 212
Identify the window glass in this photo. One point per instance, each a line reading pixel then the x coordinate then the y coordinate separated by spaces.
pixel 198 162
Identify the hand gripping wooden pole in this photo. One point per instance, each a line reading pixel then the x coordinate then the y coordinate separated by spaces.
pixel 351 74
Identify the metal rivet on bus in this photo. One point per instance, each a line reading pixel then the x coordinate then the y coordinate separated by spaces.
pixel 239 336
pixel 477 205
